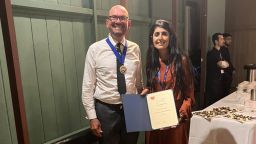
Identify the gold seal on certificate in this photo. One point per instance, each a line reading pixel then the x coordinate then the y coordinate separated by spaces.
pixel 123 69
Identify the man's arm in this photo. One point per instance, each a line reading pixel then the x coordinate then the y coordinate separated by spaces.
pixel 88 86
pixel 89 82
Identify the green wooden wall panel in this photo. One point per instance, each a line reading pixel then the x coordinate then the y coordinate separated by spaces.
pixel 29 0
pixel 98 5
pixel 77 3
pixel 58 75
pixel 5 135
pixel 87 3
pixel 70 73
pixel 7 92
pixel 102 29
pixel 5 132
pixel 44 76
pixel 64 2
pixel 82 39
pixel 138 7
pixel 29 79
pixel 52 1
pixel 107 4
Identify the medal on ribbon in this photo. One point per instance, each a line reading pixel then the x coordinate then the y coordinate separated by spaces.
pixel 123 69
pixel 120 58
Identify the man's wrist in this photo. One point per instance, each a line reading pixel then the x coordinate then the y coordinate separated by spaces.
pixel 91 114
pixel 92 119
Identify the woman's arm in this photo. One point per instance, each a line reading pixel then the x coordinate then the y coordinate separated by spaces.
pixel 187 88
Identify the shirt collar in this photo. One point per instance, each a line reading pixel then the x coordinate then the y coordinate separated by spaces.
pixel 114 42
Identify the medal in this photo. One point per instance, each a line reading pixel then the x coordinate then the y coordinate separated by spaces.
pixel 123 69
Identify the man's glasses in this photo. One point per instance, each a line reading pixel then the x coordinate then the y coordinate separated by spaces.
pixel 115 18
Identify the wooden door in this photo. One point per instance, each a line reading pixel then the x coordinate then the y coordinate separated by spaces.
pixel 195 43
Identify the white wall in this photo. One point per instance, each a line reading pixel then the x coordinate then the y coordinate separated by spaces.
pixel 215 19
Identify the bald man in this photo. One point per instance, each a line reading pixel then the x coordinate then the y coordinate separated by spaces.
pixel 112 68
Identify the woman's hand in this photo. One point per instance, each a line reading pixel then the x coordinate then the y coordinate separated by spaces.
pixel 144 91
pixel 170 127
pixel 185 110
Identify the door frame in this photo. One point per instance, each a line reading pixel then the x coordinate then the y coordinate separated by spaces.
pixel 202 4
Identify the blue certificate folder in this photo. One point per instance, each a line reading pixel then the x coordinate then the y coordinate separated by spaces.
pixel 136 113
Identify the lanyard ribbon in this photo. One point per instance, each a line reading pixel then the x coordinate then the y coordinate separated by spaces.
pixel 165 75
pixel 120 58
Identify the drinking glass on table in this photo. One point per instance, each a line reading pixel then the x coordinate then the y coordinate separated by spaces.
pixel 240 101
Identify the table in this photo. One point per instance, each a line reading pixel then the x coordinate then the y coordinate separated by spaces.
pixel 223 130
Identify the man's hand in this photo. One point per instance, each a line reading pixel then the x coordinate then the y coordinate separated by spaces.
pixel 96 127
pixel 144 91
pixel 223 64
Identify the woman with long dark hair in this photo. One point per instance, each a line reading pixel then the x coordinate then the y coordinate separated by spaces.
pixel 168 68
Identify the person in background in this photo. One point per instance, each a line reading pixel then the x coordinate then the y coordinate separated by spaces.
pixel 227 39
pixel 112 68
pixel 168 68
pixel 216 66
pixel 228 74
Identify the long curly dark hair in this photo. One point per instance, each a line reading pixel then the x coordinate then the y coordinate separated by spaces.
pixel 175 56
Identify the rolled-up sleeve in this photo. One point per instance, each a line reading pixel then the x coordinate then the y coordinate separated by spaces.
pixel 88 87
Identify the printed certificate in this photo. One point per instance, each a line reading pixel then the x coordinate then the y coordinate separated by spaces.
pixel 162 109
pixel 153 111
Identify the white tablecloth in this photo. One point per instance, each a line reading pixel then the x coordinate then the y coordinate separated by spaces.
pixel 223 130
